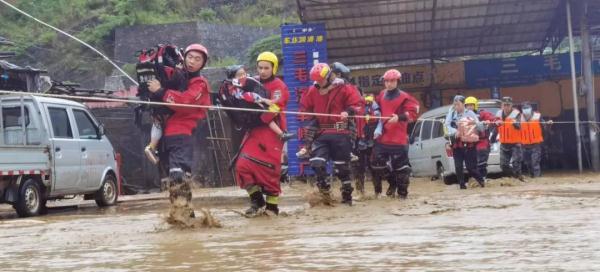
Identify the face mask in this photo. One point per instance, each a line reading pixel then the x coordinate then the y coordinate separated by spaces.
pixel 527 111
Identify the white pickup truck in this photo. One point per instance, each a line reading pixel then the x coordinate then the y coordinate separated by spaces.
pixel 51 148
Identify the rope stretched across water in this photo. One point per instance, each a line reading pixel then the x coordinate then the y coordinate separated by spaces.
pixel 135 100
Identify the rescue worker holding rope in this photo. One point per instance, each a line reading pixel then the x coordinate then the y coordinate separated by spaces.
pixel 391 138
pixel 179 127
pixel 258 166
pixel 509 129
pixel 532 138
pixel 330 95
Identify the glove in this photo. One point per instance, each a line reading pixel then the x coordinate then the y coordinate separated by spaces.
pixel 274 108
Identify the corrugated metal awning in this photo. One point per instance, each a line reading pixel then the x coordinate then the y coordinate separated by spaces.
pixel 378 31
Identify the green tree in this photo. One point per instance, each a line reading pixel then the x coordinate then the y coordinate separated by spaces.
pixel 271 43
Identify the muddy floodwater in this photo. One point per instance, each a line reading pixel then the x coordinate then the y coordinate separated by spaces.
pixel 548 224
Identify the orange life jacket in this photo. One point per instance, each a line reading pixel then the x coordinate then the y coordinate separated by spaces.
pixel 508 133
pixel 532 129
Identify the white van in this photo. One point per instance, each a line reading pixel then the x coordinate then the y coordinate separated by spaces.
pixel 51 148
pixel 427 152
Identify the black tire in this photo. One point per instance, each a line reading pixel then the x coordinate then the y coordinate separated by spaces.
pixel 31 200
pixel 448 180
pixel 107 195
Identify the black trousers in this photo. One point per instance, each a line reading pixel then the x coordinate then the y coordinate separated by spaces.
pixel 180 153
pixel 483 156
pixel 466 156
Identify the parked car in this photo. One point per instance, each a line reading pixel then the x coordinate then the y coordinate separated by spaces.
pixel 428 154
pixel 51 148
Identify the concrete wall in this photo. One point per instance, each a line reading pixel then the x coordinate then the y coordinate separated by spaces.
pixel 220 40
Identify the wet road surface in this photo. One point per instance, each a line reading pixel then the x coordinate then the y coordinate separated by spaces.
pixel 548 225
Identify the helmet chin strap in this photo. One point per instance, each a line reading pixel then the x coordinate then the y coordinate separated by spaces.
pixel 326 85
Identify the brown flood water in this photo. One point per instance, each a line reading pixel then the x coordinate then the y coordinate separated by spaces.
pixel 550 224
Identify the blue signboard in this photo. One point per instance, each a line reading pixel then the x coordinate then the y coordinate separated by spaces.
pixel 302 46
pixel 524 70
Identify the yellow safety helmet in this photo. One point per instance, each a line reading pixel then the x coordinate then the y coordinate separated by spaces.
pixel 472 100
pixel 270 57
pixel 369 98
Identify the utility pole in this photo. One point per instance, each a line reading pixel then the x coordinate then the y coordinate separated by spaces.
pixel 588 77
pixel 574 85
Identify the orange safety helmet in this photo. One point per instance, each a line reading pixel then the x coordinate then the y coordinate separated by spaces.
pixel 320 71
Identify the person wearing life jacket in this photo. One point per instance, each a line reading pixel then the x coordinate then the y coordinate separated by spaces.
pixel 391 137
pixel 364 146
pixel 331 95
pixel 509 130
pixel 532 125
pixel 483 146
pixel 464 128
pixel 258 164
pixel 179 126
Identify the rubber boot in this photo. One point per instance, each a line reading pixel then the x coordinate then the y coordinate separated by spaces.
pixel 180 195
pixel 393 185
pixel 360 183
pixel 347 194
pixel 325 191
pixel 272 209
pixel 377 185
pixel 257 204
pixel 179 190
pixel 403 183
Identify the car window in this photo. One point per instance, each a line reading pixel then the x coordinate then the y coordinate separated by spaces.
pixel 416 131
pixel 426 131
pixel 85 126
pixel 11 116
pixel 59 119
pixel 438 128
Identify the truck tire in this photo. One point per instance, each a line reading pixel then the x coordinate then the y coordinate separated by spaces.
pixel 31 200
pixel 107 194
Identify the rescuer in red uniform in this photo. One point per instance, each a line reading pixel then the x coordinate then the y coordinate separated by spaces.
pixel 392 142
pixel 332 139
pixel 258 166
pixel 179 126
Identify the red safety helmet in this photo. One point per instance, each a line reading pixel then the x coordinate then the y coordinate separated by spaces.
pixel 392 74
pixel 199 48
pixel 320 72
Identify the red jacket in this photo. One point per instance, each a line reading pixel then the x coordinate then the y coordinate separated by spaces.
pixel 279 93
pixel 342 97
pixel 484 141
pixel 403 103
pixel 185 119
pixel 260 157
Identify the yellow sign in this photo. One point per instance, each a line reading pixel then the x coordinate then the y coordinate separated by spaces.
pixel 304 39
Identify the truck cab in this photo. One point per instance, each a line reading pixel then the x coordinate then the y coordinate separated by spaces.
pixel 51 148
